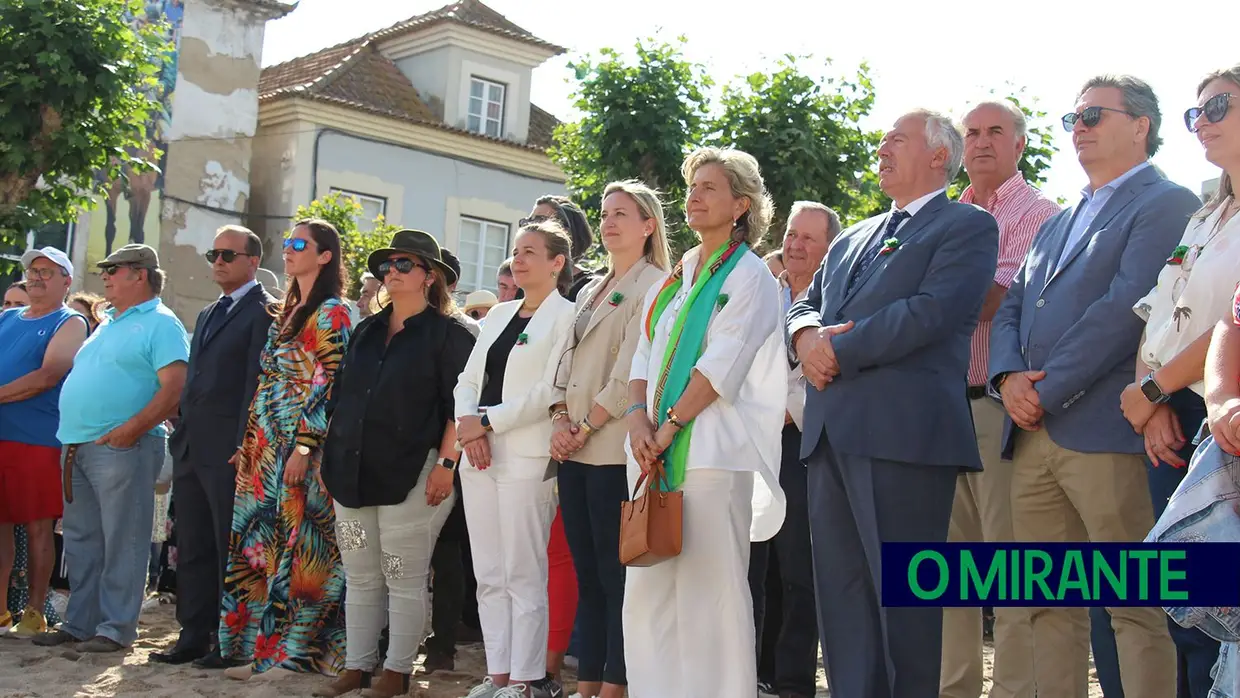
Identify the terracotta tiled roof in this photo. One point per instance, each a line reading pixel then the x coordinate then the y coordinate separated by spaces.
pixel 356 74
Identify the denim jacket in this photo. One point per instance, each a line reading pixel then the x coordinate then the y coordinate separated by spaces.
pixel 1204 509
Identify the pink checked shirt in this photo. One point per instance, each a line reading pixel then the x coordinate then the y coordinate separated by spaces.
pixel 1020 211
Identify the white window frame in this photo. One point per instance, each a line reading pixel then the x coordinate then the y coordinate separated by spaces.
pixel 484 275
pixel 483 119
pixel 69 235
pixel 362 224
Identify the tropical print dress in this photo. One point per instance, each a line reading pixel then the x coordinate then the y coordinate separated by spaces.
pixel 284 584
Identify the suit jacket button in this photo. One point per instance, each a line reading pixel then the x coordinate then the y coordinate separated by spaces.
pixel 615 350
pixel 1041 302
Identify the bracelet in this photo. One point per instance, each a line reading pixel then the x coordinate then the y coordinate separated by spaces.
pixel 634 408
pixel 557 414
pixel 671 419
pixel 585 426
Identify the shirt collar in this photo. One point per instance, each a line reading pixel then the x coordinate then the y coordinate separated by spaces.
pixel 1114 184
pixel 240 292
pixel 146 307
pixel 1013 186
pixel 918 204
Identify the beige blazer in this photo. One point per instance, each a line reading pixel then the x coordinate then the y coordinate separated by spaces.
pixel 597 369
pixel 521 421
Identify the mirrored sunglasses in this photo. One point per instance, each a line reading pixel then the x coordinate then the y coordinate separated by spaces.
pixel 1215 110
pixel 298 244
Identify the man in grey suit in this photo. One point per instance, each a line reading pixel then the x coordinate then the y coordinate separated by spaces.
pixel 221 380
pixel 883 339
pixel 1063 347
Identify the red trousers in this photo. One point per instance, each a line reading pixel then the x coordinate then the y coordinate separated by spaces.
pixel 561 588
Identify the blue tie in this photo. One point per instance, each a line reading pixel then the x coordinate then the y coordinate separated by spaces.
pixel 216 318
pixel 871 254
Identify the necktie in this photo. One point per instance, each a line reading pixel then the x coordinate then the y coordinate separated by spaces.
pixel 871 254
pixel 216 318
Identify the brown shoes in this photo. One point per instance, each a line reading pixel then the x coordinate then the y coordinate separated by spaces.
pixel 389 685
pixel 347 680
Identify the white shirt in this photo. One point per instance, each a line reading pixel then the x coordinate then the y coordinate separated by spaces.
pixel 745 361
pixel 1191 297
pixel 796 377
pixel 237 295
pixel 1090 206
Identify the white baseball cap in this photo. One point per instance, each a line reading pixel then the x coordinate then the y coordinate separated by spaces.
pixel 52 254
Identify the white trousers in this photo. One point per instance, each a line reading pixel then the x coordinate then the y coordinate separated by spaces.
pixel 688 621
pixel 509 514
pixel 386 552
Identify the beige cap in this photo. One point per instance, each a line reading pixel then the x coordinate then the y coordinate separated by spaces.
pixel 480 299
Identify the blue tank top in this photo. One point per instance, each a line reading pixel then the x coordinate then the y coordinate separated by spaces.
pixel 23 342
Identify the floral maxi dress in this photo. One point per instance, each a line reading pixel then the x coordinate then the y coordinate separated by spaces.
pixel 284 583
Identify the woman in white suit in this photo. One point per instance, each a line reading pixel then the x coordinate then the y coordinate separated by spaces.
pixel 505 430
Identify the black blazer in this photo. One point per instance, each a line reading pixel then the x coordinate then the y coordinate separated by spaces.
pixel 220 383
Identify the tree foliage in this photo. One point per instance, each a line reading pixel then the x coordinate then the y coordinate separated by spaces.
pixel 640 120
pixel 77 86
pixel 806 134
pixel 343 212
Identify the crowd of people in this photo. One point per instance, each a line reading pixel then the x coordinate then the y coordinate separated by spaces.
pixel 357 483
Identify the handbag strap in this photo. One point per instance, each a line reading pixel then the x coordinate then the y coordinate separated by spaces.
pixel 660 477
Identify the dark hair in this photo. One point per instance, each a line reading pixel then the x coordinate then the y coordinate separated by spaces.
pixel 558 243
pixel 1138 98
pixel 92 302
pixel 328 284
pixel 253 243
pixel 1226 188
pixel 505 267
pixel 573 220
pixel 450 259
pixel 18 285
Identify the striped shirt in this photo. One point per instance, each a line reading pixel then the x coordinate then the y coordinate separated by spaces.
pixel 1020 210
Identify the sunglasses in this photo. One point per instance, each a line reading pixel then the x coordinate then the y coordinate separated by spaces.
pixel 403 265
pixel 475 314
pixel 1090 116
pixel 1215 110
pixel 110 269
pixel 298 244
pixel 228 255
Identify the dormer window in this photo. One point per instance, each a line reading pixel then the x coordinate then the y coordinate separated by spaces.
pixel 486 107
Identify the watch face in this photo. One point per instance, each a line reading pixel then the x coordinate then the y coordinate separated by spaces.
pixel 1151 391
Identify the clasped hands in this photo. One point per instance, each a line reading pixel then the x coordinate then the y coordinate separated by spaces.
pixel 1157 423
pixel 817 356
pixel 473 439
pixel 647 443
pixel 1021 399
pixel 566 439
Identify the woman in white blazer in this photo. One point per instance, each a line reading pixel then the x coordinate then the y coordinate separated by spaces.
pixel 505 430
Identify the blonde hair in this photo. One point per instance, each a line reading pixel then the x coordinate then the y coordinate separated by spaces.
pixel 745 179
pixel 651 208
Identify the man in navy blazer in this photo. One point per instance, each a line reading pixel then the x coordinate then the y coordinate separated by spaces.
pixel 1063 347
pixel 220 382
pixel 883 339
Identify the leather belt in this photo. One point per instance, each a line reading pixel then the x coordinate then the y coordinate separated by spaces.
pixel 67 472
pixel 977 392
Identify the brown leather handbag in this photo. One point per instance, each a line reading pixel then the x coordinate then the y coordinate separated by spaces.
pixel 652 525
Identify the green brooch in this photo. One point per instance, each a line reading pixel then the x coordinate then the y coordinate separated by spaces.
pixel 722 300
pixel 523 338
pixel 1177 255
pixel 616 298
pixel 889 245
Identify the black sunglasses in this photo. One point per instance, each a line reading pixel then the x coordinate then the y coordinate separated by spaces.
pixel 1215 110
pixel 110 269
pixel 403 265
pixel 1090 116
pixel 228 255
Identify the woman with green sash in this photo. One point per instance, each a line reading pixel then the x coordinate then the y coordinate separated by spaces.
pixel 709 380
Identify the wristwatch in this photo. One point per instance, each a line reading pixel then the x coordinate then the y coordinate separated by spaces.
pixel 486 422
pixel 303 449
pixel 1152 392
pixel 448 463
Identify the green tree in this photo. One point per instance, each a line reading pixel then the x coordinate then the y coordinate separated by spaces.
pixel 77 81
pixel 1039 143
pixel 806 133
pixel 355 245
pixel 640 119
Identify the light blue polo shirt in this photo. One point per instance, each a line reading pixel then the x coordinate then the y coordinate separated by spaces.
pixel 114 374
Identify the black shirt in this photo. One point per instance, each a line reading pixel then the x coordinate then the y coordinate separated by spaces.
pixel 497 361
pixel 389 406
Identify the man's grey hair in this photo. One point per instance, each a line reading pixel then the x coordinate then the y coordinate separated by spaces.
pixel 942 133
pixel 1139 100
pixel 155 280
pixel 367 276
pixel 1019 122
pixel 833 218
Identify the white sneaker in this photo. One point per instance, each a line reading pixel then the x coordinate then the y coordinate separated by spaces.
pixel 486 689
pixel 512 690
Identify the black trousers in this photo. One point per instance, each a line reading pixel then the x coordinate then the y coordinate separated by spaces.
pixel 590 497
pixel 203 498
pixel 455 591
pixel 795 657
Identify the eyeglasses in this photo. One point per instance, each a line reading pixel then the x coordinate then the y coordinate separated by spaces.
pixel 110 269
pixel 403 265
pixel 228 255
pixel 1090 116
pixel 42 274
pixel 475 314
pixel 1215 110
pixel 298 244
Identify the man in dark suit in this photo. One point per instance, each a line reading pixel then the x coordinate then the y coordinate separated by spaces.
pixel 1062 349
pixel 222 377
pixel 883 340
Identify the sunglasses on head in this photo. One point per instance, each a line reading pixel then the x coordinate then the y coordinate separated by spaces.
pixel 227 255
pixel 1090 116
pixel 403 265
pixel 298 244
pixel 1215 109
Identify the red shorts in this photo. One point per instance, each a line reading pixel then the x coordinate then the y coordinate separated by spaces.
pixel 30 488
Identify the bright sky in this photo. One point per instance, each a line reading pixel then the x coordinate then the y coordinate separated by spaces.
pixel 921 54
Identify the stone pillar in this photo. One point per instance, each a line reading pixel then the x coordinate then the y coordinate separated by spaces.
pixel 210 140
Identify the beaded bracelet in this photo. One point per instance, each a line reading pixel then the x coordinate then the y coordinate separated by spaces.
pixel 634 408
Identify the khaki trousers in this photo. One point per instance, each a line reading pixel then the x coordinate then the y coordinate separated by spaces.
pixel 1067 496
pixel 982 512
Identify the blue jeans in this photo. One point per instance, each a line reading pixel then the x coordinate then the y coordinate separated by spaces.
pixel 107 532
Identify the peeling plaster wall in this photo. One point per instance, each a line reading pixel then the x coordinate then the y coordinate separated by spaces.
pixel 279 182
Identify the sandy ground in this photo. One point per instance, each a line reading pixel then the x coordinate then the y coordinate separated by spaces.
pixel 27 671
